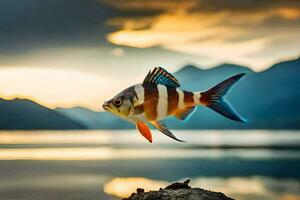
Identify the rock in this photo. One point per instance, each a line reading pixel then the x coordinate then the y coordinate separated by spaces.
pixel 175 186
pixel 140 190
pixel 178 191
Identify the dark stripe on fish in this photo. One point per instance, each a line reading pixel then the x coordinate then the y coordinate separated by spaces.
pixel 188 98
pixel 173 99
pixel 139 109
pixel 150 101
pixel 130 91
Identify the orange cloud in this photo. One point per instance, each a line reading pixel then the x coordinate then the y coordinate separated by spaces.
pixel 152 5
pixel 221 36
pixel 288 13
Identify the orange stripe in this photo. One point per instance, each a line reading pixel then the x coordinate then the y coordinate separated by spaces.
pixel 173 98
pixel 150 101
pixel 188 98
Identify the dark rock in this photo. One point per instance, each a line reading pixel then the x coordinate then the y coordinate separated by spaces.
pixel 140 190
pixel 178 191
pixel 175 186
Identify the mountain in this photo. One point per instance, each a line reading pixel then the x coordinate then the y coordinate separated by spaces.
pixel 207 78
pixel 268 100
pixel 275 92
pixel 22 114
pixel 94 120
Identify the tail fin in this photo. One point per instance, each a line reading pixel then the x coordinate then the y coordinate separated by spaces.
pixel 213 98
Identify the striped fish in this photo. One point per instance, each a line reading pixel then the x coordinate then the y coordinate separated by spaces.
pixel 160 96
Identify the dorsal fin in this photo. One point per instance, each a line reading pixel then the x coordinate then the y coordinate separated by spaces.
pixel 160 76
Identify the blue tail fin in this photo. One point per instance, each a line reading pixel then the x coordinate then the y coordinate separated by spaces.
pixel 213 98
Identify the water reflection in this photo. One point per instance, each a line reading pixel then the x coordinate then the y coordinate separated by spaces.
pixel 193 137
pixel 237 187
pixel 73 164
pixel 123 187
pixel 108 153
pixel 104 145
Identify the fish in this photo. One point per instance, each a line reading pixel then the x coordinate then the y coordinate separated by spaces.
pixel 159 96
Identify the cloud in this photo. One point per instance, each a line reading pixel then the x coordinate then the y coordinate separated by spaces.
pixel 133 5
pixel 210 31
pixel 31 25
pixel 229 31
pixel 72 34
pixel 117 52
pixel 202 5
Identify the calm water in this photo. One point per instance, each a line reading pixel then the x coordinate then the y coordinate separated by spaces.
pixel 111 164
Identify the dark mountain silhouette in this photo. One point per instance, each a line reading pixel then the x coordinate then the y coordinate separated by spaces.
pixel 268 100
pixel 207 78
pixel 275 92
pixel 22 114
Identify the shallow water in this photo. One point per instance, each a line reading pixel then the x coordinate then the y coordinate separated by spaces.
pixel 109 164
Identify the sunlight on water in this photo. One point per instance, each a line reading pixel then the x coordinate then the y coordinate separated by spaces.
pixel 123 187
pixel 105 145
pixel 50 137
pixel 106 153
pixel 261 187
pixel 202 137
pixel 236 187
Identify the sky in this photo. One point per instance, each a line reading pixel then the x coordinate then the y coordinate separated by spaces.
pixel 65 53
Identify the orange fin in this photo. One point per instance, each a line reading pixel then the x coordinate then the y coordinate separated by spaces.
pixel 144 130
pixel 186 113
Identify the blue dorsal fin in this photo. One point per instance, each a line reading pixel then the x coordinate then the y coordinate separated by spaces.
pixel 160 76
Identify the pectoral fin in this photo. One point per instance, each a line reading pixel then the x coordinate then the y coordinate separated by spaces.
pixel 144 130
pixel 162 127
pixel 186 113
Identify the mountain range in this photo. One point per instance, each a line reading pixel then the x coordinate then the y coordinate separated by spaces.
pixel 23 114
pixel 267 100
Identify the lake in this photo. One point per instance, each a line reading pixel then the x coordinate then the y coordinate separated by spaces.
pixel 96 165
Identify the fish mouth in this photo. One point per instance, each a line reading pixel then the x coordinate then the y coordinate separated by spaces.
pixel 106 106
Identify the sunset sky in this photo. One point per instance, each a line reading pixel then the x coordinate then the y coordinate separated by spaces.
pixel 80 52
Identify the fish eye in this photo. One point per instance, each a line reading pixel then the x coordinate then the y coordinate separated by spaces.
pixel 118 101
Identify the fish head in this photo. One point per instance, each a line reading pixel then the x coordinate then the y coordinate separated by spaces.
pixel 121 105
